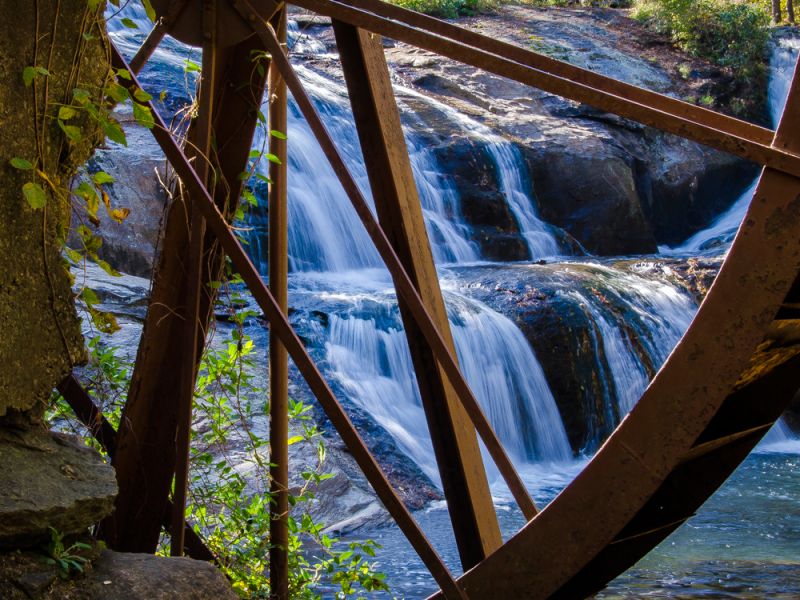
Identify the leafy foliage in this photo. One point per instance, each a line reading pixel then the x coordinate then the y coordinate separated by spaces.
pixel 448 8
pixel 67 559
pixel 230 483
pixel 730 33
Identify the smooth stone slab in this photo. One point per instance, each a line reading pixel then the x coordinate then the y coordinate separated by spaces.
pixel 47 480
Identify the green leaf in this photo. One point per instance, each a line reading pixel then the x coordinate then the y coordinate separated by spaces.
pixel 108 268
pixel 148 8
pixel 102 177
pixel 73 255
pixel 124 74
pixel 141 95
pixel 21 164
pixel 114 132
pixel 80 95
pixel 294 439
pixel 143 115
pixel 28 73
pixel 34 194
pixel 272 158
pixel 277 134
pixel 65 113
pixel 93 4
pixel 130 24
pixel 72 132
pixel 117 92
pixel 191 66
pixel 104 321
pixel 89 296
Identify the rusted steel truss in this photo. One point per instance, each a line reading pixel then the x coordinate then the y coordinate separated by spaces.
pixel 693 425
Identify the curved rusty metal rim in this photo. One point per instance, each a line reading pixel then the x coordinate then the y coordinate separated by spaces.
pixel 674 410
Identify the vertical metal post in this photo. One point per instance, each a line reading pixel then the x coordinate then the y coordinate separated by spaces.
pixel 202 135
pixel 278 359
pixel 397 202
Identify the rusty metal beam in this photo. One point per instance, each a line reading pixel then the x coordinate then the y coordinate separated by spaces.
pixel 146 456
pixel 662 102
pixel 394 191
pixel 403 284
pixel 156 35
pixel 753 149
pixel 149 46
pixel 201 136
pixel 278 359
pixel 280 326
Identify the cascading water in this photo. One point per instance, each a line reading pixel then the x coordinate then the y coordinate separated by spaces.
pixel 509 168
pixel 325 233
pixel 723 229
pixel 369 356
pixel 636 344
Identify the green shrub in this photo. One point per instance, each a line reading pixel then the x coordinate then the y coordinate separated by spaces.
pixel 448 9
pixel 229 505
pixel 730 33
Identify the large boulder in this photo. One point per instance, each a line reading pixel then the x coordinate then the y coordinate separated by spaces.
pixel 50 480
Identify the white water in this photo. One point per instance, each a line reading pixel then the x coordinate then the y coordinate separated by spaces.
pixel 369 357
pixel 658 316
pixel 538 235
pixel 724 227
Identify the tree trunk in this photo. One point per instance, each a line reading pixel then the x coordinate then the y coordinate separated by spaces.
pixel 790 11
pixel 59 46
pixel 776 11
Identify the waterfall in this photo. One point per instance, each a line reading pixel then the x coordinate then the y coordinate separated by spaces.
pixel 509 168
pixel 538 234
pixel 368 354
pixel 723 229
pixel 780 439
pixel 325 233
pixel 336 270
pixel 636 342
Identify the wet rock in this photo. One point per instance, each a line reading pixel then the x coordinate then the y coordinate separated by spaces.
pixel 591 193
pixel 50 480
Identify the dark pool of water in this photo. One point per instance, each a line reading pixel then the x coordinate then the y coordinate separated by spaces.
pixel 743 543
